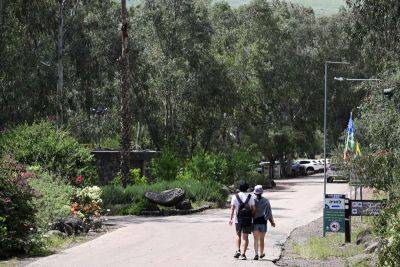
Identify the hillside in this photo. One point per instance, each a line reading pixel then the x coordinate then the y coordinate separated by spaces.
pixel 321 7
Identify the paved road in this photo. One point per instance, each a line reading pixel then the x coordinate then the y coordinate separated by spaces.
pixel 203 239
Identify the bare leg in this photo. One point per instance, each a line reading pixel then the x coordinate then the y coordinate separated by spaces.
pixel 238 241
pixel 262 237
pixel 256 235
pixel 245 243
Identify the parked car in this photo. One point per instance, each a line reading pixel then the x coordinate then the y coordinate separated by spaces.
pixel 311 166
pixel 319 165
pixel 335 175
pixel 297 169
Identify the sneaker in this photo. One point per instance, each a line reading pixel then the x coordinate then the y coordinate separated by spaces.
pixel 243 257
pixel 237 254
pixel 256 258
pixel 262 255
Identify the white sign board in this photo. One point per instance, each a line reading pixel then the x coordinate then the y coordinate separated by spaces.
pixel 334 203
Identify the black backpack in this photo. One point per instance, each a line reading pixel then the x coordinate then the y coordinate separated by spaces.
pixel 244 214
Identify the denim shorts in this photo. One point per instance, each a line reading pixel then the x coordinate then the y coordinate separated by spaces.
pixel 260 227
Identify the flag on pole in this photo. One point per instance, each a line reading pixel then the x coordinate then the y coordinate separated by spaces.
pixel 350 144
pixel 358 149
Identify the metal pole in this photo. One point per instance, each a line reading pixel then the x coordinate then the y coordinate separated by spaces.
pixel 325 109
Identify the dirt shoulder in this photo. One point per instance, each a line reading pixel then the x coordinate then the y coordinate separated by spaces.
pixel 306 247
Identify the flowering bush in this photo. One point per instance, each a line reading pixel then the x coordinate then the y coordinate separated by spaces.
pixel 17 213
pixel 87 203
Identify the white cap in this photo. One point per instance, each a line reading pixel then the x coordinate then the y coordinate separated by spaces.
pixel 258 189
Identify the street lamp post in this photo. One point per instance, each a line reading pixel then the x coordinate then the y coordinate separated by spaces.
pixel 325 111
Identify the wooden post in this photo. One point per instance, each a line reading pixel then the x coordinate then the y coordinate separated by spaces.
pixel 347 221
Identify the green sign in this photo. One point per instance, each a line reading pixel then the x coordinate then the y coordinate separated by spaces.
pixel 334 221
pixel 334 216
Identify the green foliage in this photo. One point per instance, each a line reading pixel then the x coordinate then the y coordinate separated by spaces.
pixel 56 151
pixel 53 199
pixel 205 190
pixel 166 167
pixel 241 162
pixel 135 208
pixel 134 178
pixel 17 211
pixel 387 226
pixel 206 166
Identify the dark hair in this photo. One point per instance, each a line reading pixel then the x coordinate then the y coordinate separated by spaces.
pixel 243 186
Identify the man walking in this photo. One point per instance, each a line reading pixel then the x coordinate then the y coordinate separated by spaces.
pixel 243 207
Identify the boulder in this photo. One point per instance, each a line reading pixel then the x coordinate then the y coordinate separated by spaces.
pixel 167 198
pixel 71 225
pixel 363 236
pixel 372 247
pixel 184 205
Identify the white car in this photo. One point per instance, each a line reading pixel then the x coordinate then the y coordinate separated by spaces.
pixel 311 166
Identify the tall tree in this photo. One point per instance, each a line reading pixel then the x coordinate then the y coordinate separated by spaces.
pixel 125 98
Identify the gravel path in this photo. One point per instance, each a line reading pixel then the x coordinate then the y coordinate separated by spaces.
pixel 203 239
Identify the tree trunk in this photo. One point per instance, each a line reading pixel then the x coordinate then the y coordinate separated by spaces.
pixel 125 99
pixel 60 64
pixel 271 176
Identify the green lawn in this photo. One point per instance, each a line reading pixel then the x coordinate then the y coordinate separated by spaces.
pixel 321 7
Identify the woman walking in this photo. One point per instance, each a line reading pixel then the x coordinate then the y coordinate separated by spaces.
pixel 262 214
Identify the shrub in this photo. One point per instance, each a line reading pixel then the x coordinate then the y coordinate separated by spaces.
pixel 134 178
pixel 135 208
pixel 255 178
pixel 53 199
pixel 56 151
pixel 241 162
pixel 196 190
pixel 388 226
pixel 17 212
pixel 166 167
pixel 206 166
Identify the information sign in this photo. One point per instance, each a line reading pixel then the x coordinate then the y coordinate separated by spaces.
pixel 334 215
pixel 366 207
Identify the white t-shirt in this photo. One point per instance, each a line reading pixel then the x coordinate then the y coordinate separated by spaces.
pixel 243 197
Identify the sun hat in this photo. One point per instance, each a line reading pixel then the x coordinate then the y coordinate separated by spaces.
pixel 258 190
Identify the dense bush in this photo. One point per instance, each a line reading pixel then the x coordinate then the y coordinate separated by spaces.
pixel 388 226
pixel 166 167
pixel 241 163
pixel 53 199
pixel 206 166
pixel 135 177
pixel 195 190
pixel 17 212
pixel 56 151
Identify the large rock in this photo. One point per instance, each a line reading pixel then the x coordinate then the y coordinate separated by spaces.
pixel 167 198
pixel 364 236
pixel 371 248
pixel 184 205
pixel 71 225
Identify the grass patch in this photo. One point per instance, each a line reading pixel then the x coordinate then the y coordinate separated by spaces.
pixel 52 244
pixel 333 245
pixel 209 191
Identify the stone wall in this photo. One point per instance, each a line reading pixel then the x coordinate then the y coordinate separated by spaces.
pixel 108 163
